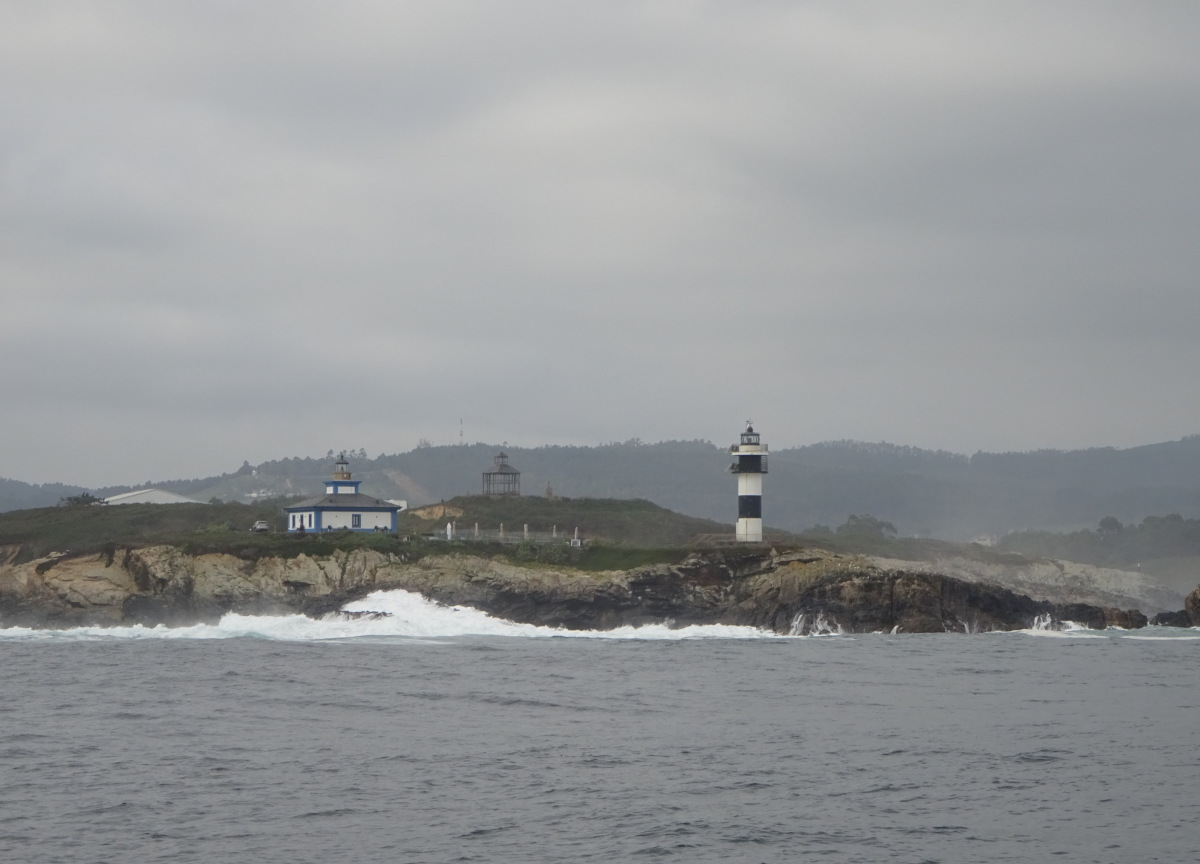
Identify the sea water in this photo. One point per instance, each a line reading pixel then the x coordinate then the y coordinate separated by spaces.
pixel 443 735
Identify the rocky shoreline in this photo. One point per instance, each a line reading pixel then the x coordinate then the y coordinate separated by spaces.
pixel 1053 580
pixel 796 591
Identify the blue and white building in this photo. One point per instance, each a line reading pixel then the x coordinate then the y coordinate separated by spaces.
pixel 342 507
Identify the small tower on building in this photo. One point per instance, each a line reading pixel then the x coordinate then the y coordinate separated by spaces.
pixel 750 467
pixel 341 483
pixel 501 478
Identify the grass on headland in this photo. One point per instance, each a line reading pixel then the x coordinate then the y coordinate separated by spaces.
pixel 636 522
pixel 619 535
pixel 79 530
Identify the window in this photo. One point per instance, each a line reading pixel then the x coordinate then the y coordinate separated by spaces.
pixel 356 520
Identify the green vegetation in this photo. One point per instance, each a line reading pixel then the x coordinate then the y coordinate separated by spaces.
pixel 250 547
pixel 1167 547
pixel 866 535
pixel 636 523
pixel 81 529
pixel 600 557
pixel 1113 544
pixel 617 534
pixel 85 499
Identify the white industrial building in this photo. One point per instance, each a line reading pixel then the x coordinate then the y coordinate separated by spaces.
pixel 150 495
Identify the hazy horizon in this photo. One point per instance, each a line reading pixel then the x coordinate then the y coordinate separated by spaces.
pixel 353 458
pixel 234 231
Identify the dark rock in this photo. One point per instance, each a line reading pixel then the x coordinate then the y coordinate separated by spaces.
pixel 323 604
pixel 1126 619
pixel 1172 619
pixel 883 601
pixel 343 615
pixel 152 611
pixel 766 594
pixel 1191 604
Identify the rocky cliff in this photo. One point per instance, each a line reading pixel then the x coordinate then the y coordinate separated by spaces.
pixel 797 591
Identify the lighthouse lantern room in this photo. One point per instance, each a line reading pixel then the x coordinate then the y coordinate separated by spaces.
pixel 750 467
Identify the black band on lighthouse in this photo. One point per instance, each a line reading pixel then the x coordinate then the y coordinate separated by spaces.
pixel 750 463
pixel 749 506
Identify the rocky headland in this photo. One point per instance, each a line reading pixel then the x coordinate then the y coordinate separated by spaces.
pixel 1052 580
pixel 792 591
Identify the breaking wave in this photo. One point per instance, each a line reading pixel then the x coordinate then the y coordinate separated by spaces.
pixel 815 625
pixel 393 614
pixel 403 615
pixel 1044 625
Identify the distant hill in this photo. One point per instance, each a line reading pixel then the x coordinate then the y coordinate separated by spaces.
pixel 921 492
pixel 15 495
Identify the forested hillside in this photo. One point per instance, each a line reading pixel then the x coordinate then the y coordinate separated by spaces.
pixel 920 492
pixel 1166 546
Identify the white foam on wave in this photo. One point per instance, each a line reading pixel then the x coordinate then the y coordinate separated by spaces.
pixel 1187 636
pixel 1080 633
pixel 1044 625
pixel 406 616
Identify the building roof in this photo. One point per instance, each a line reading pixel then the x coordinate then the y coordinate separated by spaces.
pixel 500 465
pixel 357 501
pixel 150 495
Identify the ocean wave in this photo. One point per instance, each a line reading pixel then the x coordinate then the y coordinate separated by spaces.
pixel 400 615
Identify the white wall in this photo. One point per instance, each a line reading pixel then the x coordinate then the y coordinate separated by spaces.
pixel 336 519
pixel 309 522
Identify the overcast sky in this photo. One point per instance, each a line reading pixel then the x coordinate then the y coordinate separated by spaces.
pixel 249 230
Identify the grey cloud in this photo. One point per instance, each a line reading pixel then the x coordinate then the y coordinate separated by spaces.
pixel 250 230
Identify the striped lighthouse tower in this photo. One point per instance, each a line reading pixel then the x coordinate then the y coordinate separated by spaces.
pixel 750 467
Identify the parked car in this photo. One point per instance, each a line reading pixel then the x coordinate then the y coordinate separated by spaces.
pixel 260 526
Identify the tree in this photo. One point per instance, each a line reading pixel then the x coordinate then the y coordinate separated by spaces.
pixel 85 499
pixel 1110 525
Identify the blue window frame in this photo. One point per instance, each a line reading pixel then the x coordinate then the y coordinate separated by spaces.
pixel 356 520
